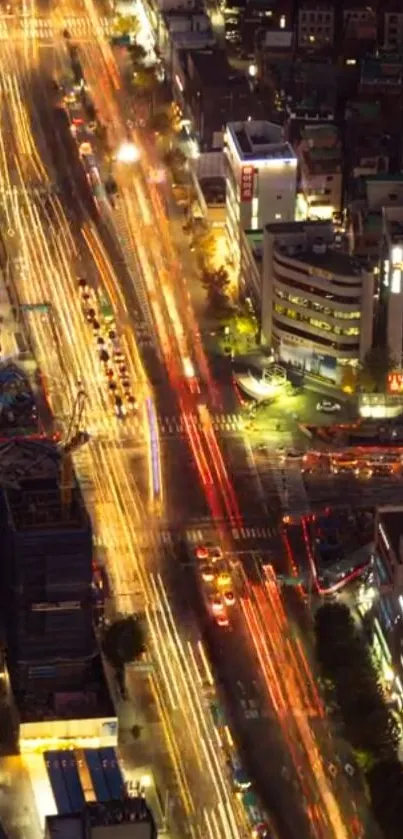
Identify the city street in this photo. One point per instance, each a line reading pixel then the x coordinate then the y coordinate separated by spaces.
pixel 176 464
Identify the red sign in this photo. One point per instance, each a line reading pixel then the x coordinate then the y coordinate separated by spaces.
pixel 247 183
pixel 395 382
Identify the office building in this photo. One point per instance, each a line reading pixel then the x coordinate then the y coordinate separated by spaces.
pixel 392 25
pixel 320 164
pixel 247 21
pixel 317 303
pixel 130 818
pixel 52 655
pixel 391 269
pixel 261 178
pixel 215 93
pixel 46 565
pixel 315 25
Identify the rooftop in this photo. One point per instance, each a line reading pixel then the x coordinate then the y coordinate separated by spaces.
pixel 331 260
pixel 91 702
pixel 118 815
pixel 213 68
pixel 31 478
pixel 259 140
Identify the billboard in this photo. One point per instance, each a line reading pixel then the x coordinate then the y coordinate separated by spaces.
pixel 395 382
pixel 247 176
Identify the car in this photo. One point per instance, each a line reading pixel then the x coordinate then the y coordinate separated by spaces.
pixel 217 604
pixel 120 410
pixel 292 454
pixel 327 406
pixel 131 401
pixel 82 283
pixel 211 552
pixel 222 620
pixel 223 579
pixel 228 597
pixel 207 572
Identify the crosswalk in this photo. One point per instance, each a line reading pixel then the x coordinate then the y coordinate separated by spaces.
pixel 196 536
pixel 221 422
pixel 45 29
pixel 133 431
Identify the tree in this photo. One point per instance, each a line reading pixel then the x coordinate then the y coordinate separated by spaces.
pixel 165 121
pixel 346 661
pixel 205 245
pixel 126 25
pixel 138 56
pixel 145 80
pixel 175 159
pixel 378 362
pixel 124 641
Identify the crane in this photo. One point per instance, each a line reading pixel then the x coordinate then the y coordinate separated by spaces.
pixel 75 438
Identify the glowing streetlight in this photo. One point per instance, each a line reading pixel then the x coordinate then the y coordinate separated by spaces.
pixel 127 153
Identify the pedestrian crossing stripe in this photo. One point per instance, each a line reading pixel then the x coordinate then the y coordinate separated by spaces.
pixel 220 422
pixel 196 536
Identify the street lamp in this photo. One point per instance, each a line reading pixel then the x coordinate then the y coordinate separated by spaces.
pixel 127 153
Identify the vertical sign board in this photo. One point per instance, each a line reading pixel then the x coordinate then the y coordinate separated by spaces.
pixel 247 174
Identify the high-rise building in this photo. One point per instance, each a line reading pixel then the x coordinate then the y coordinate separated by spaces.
pixel 391 271
pixel 316 25
pixel 47 567
pixel 317 303
pixel 261 178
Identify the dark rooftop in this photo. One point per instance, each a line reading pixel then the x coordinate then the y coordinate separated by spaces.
pixel 118 814
pixel 91 702
pixel 331 260
pixel 213 68
pixel 32 487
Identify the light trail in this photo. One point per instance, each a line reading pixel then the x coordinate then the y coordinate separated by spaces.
pixel 148 232
pixel 51 259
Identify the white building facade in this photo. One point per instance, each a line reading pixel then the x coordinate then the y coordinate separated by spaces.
pixel 261 178
pixel 317 303
pixel 391 271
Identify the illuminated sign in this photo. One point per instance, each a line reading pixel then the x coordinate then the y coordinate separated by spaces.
pixel 395 382
pixel 247 175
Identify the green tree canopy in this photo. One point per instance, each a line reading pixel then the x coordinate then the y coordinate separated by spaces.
pixel 205 245
pixel 378 362
pixel 137 56
pixel 124 641
pixel 145 80
pixel 175 159
pixel 345 659
pixel 126 25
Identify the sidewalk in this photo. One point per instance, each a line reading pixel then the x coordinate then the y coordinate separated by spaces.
pixel 146 761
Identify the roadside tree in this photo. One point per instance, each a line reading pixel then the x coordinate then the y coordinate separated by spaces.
pixel 138 56
pixel 126 25
pixel 124 641
pixel 378 362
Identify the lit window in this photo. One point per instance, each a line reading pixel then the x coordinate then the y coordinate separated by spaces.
pixel 282 22
pixel 278 216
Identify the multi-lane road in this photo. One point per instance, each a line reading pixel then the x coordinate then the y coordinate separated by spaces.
pixel 178 465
